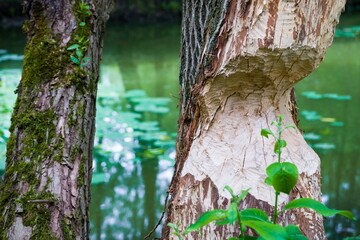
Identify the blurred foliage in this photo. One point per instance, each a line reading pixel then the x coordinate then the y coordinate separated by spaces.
pixel 132 11
pixel 147 11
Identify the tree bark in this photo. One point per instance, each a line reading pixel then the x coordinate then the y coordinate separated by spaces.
pixel 239 63
pixel 45 192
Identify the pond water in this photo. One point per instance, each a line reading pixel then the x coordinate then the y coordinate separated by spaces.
pixel 137 117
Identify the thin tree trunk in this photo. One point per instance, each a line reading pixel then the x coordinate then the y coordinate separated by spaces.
pixel 239 63
pixel 45 192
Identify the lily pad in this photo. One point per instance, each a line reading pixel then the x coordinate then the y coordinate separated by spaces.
pixel 324 146
pixel 11 57
pixel 135 93
pixel 311 115
pixel 149 126
pixel 98 178
pixel 151 108
pixel 337 124
pixel 153 136
pixel 160 101
pixel 165 144
pixel 329 120
pixel 312 136
pixel 312 95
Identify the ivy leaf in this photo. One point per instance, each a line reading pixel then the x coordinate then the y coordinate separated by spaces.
pixel 74 46
pixel 75 60
pixel 85 61
pixel 82 24
pixel 283 176
pixel 318 207
pixel 205 219
pixel 79 53
pixel 278 145
pixel 266 132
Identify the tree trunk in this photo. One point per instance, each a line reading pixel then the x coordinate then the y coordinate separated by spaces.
pixel 239 63
pixel 45 192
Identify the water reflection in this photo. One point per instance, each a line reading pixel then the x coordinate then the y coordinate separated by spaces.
pixel 329 115
pixel 136 125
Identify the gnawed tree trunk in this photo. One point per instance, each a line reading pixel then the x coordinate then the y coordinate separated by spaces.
pixel 240 61
pixel 45 192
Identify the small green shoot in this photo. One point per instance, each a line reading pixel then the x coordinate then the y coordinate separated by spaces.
pixel 282 176
pixel 81 45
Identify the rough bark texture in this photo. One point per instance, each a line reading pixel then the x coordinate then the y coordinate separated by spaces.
pixel 45 192
pixel 239 63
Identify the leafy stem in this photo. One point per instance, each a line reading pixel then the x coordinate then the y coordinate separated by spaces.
pixel 242 235
pixel 80 48
pixel 282 176
pixel 276 207
pixel 279 137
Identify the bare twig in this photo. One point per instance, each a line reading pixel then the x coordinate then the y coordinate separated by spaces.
pixel 160 219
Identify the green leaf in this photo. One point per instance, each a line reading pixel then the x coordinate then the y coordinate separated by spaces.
pixel 268 231
pixel 75 60
pixel 281 117
pixel 289 126
pixel 254 214
pixel 283 176
pixel 176 230
pixel 229 189
pixel 232 214
pixel 85 61
pixel 74 46
pixel 79 53
pixel 268 181
pixel 278 145
pixel 318 207
pixel 205 219
pixel 352 238
pixel 222 222
pixel 82 24
pixel 80 39
pixel 294 233
pixel 173 226
pixel 266 132
pixel 242 195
